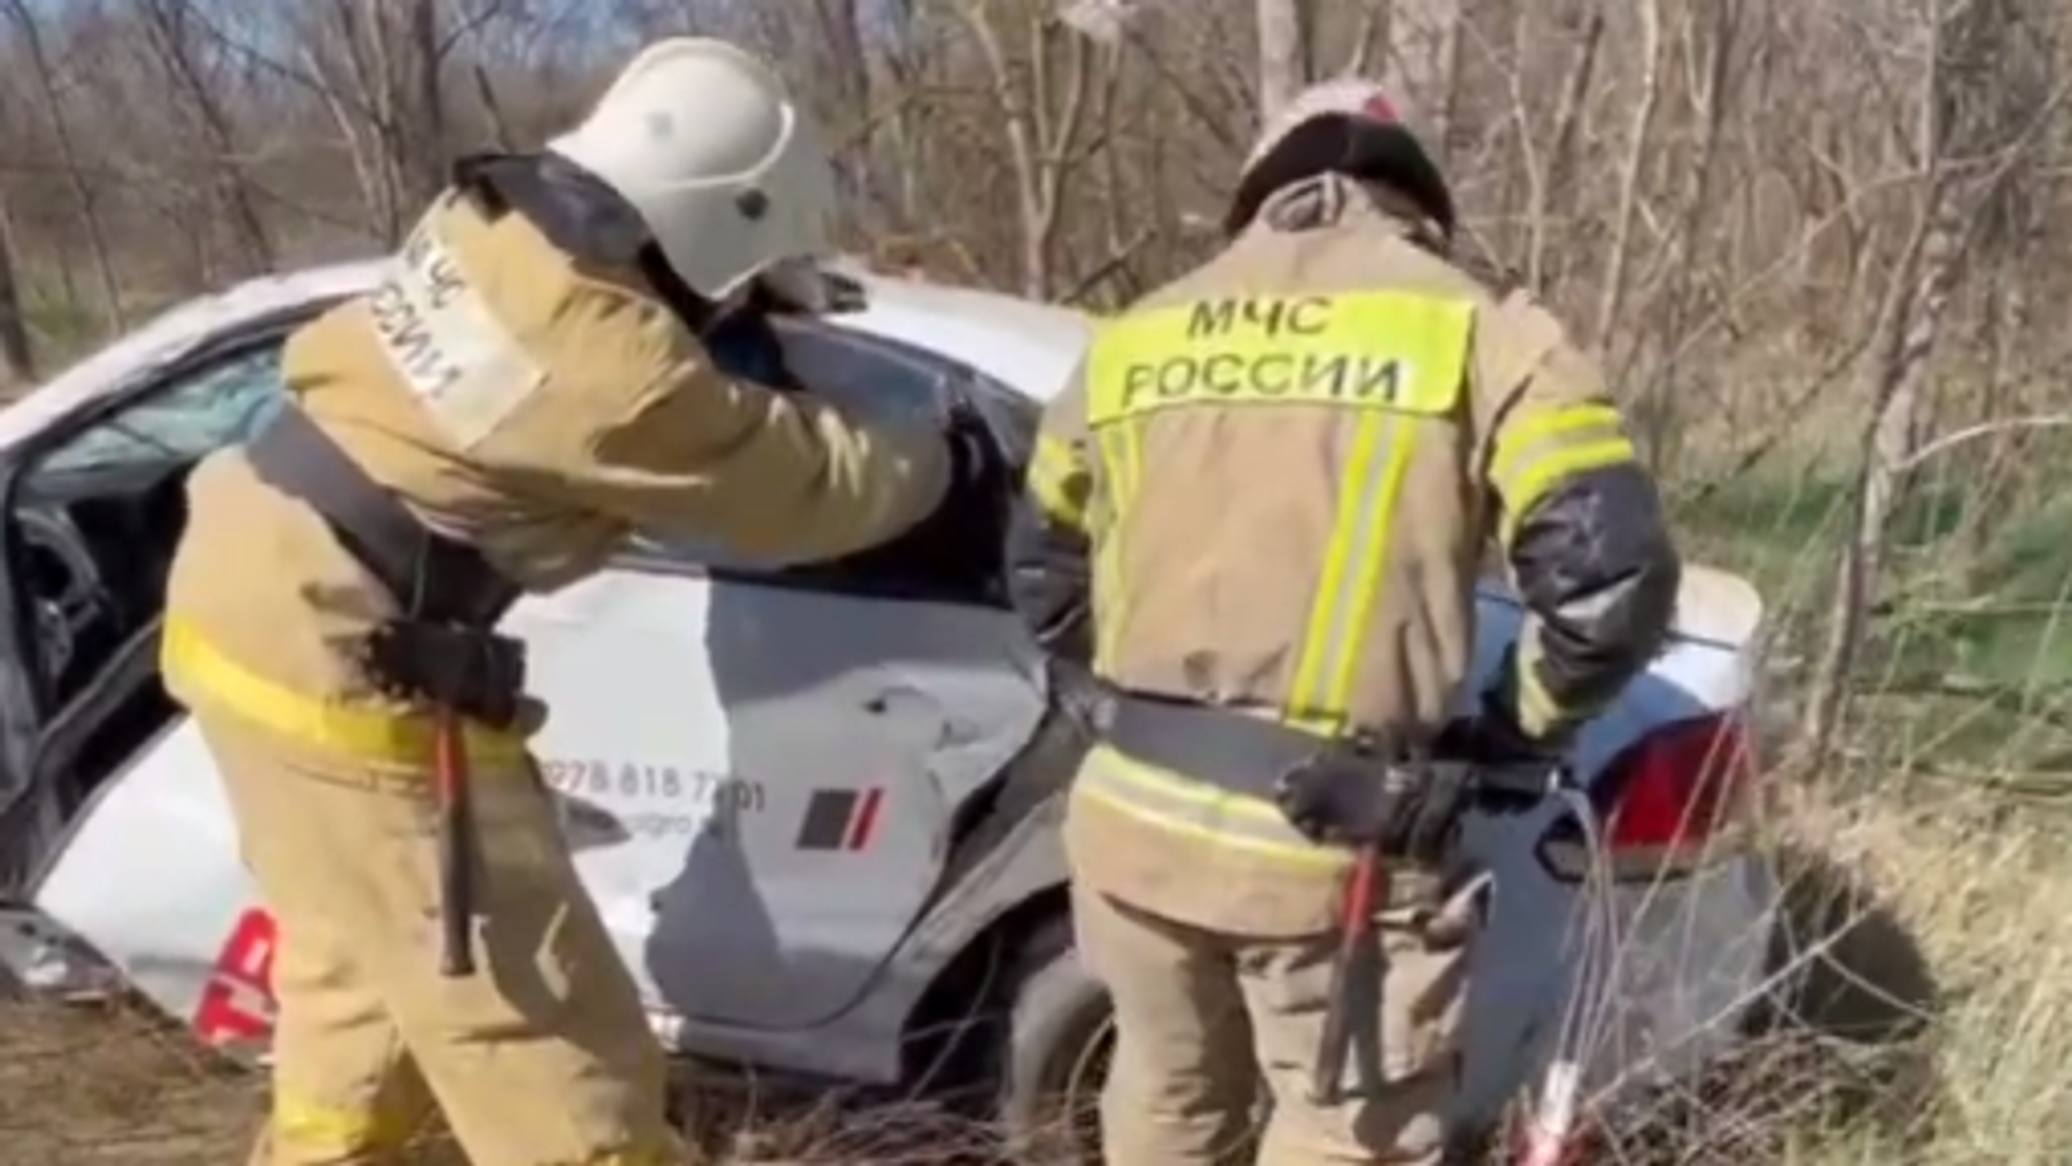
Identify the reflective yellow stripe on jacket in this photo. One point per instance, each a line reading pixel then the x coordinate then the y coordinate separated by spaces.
pixel 1391 360
pixel 1059 482
pixel 192 666
pixel 1182 805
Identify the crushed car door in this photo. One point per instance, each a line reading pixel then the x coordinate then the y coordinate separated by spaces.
pixel 125 838
pixel 865 701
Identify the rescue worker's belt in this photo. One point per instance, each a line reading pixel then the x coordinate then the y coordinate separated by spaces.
pixel 440 649
pixel 1243 754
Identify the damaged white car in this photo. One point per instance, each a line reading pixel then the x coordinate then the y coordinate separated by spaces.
pixel 817 806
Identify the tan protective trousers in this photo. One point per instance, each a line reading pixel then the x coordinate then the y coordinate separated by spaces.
pixel 542 1058
pixel 1202 1020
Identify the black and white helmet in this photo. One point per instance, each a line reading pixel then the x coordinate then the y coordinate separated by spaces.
pixel 1350 127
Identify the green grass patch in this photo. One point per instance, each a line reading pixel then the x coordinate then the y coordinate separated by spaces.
pixel 1971 642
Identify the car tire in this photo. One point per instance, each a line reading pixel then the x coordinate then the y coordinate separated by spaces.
pixel 1053 1054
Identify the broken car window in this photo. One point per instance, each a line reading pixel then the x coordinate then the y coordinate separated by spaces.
pixel 222 404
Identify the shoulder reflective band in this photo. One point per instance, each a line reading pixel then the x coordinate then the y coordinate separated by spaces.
pixel 1392 351
pixel 1538 450
pixel 1059 481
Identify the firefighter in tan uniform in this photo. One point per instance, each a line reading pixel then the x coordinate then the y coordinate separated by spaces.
pixel 1258 514
pixel 527 388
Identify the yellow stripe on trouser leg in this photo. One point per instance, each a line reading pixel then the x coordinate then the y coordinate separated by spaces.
pixel 345 1092
pixel 543 1058
pixel 303 1134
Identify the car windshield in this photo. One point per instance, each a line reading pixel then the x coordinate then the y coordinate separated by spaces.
pixel 221 406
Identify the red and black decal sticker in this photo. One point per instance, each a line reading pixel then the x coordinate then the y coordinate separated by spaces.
pixel 841 819
pixel 237 1005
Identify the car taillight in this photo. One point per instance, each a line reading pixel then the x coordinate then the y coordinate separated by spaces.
pixel 1678 798
pixel 1679 785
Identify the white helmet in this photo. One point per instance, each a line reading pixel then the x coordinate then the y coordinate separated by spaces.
pixel 708 145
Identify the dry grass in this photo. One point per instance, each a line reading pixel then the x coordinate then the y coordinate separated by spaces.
pixel 1986 892
pixel 111 1086
pixel 1880 1063
pixel 1930 1023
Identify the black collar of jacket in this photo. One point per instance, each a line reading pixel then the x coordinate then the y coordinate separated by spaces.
pixel 582 216
pixel 1328 200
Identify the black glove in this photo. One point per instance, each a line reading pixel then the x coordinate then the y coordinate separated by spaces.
pixel 478 674
pixel 1491 734
pixel 1409 811
pixel 1513 772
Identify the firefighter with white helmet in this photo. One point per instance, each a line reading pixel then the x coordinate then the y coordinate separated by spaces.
pixel 529 384
pixel 1256 514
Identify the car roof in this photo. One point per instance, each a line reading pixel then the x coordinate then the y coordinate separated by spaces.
pixel 172 335
pixel 1030 347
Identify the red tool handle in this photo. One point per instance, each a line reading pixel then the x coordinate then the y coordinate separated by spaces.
pixel 1367 887
pixel 456 846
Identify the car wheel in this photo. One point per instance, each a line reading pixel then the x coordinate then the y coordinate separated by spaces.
pixel 1054 1058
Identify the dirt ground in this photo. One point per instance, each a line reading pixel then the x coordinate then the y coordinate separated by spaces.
pixel 110 1086
pixel 93 1086
pixel 105 1086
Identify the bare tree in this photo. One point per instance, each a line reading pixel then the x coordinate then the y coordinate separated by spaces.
pixel 1287 56
pixel 173 37
pixel 17 354
pixel 1763 214
pixel 379 68
pixel 1640 139
pixel 83 193
pixel 1044 122
pixel 1712 94
pixel 1964 38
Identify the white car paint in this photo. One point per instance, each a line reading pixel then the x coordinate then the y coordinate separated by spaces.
pixel 747 948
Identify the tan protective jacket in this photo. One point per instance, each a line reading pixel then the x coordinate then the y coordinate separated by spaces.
pixel 1285 467
pixel 523 402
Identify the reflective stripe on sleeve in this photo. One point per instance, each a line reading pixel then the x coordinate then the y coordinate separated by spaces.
pixel 1537 452
pixel 1122 465
pixel 1538 711
pixel 1060 483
